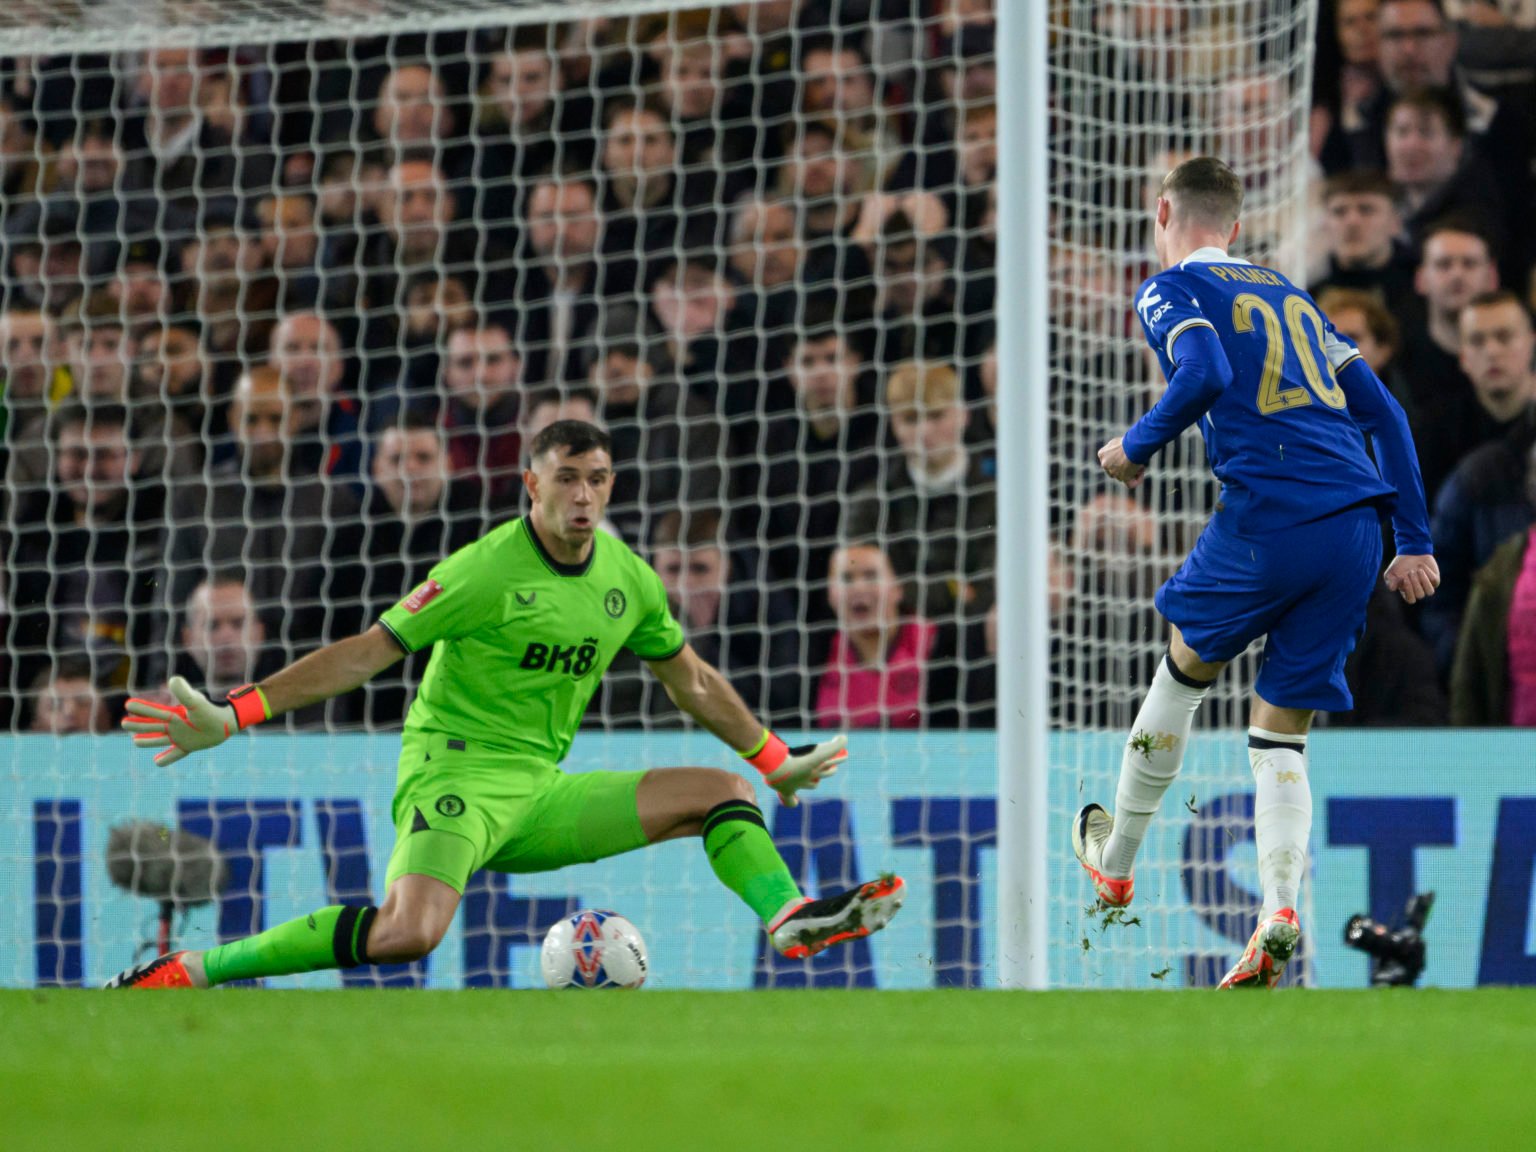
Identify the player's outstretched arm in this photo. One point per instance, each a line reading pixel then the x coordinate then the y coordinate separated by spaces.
pixel 1381 417
pixel 700 690
pixel 195 722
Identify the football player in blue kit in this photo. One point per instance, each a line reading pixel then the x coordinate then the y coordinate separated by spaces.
pixel 1291 554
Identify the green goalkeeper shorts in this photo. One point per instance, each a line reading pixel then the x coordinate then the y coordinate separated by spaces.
pixel 458 809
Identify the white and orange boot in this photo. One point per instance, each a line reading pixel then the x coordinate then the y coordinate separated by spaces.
pixel 1273 943
pixel 1090 832
pixel 166 971
pixel 807 928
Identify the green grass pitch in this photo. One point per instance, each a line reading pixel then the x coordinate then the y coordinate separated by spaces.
pixel 738 1072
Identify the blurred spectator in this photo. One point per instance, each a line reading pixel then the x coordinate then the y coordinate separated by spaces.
pixel 140 287
pixel 1418 49
pixel 416 514
pixel 305 350
pixel 413 114
pixel 89 165
pixel 29 366
pixel 100 350
pixel 290 246
pixel 916 298
pixel 223 640
pixel 740 628
pixel 435 307
pixel 651 205
pixel 226 288
pixel 1493 676
pixel 1106 631
pixel 1457 264
pixel 65 701
pixel 417 241
pixel 168 413
pixel 180 163
pixel 1363 224
pixel 764 53
pixel 86 564
pixel 823 179
pixel 886 669
pixel 517 134
pixel 966 200
pixel 1434 171
pixel 666 443
pixel 933 508
pixel 1362 318
pixel 1358 82
pixel 815 457
pixel 715 131
pixel 558 295
pixel 709 339
pixel 1391 673
pixel 543 407
pixel 764 263
pixel 1485 498
pixel 45 264
pixel 837 84
pixel 25 160
pixel 294 533
pixel 482 382
pixel 784 282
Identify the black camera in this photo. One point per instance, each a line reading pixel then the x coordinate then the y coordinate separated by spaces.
pixel 1397 954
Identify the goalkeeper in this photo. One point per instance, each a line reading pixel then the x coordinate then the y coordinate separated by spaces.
pixel 523 622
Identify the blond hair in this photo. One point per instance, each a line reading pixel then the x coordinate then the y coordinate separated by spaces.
pixel 922 384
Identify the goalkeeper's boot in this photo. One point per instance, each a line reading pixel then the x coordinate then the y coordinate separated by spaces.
pixel 807 928
pixel 166 971
pixel 1090 832
pixel 1274 942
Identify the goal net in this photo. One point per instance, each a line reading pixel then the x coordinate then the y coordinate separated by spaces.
pixel 289 288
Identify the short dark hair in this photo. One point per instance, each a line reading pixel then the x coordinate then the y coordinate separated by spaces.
pixel 576 437
pixel 1206 189
pixel 559 394
pixel 1496 299
pixel 1359 182
pixel 1441 102
pixel 75 411
pixel 1461 225
pixel 1384 327
pixel 688 528
pixel 412 420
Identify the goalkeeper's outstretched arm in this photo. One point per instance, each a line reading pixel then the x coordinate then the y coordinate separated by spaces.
pixel 700 690
pixel 334 670
pixel 196 722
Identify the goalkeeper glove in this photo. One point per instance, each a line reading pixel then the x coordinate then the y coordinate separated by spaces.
pixel 194 724
pixel 788 770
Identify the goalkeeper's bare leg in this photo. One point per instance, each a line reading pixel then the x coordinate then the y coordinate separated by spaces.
pixel 722 808
pixel 410 924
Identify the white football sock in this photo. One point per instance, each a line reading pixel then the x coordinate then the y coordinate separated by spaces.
pixel 1282 814
pixel 1152 758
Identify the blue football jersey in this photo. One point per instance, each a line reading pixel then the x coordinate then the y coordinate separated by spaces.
pixel 1279 436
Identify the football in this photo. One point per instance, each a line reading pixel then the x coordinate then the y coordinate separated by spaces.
pixel 593 950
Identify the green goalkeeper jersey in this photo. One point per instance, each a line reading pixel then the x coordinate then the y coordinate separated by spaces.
pixel 521 640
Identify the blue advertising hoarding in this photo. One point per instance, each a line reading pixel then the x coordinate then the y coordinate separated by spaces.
pixel 303 821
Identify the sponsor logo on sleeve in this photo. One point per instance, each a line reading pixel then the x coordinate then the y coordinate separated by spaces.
pixel 423 596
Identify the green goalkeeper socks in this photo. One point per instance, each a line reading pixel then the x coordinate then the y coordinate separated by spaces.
pixel 743 855
pixel 334 937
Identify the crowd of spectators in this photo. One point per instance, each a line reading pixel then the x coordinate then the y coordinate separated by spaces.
pixel 277 322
